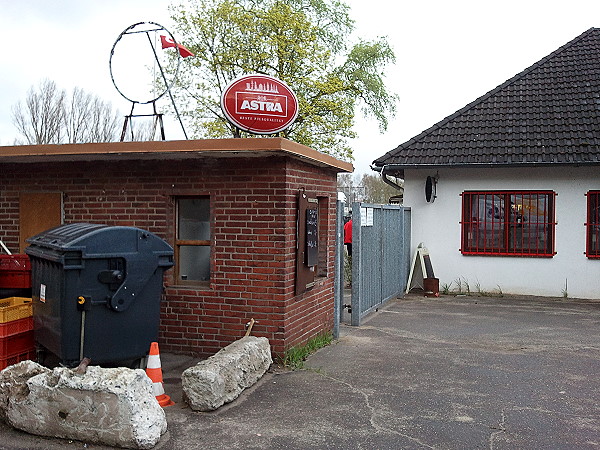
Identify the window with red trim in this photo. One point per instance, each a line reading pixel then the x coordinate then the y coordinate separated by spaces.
pixel 509 223
pixel 593 225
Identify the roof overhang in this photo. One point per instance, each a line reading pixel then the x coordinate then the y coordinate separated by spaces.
pixel 171 150
pixel 397 170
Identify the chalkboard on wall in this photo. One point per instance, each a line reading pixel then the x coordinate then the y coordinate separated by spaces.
pixel 312 239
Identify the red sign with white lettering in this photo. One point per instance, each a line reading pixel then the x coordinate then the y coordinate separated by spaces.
pixel 259 104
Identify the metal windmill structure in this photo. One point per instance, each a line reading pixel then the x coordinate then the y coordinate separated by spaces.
pixel 134 51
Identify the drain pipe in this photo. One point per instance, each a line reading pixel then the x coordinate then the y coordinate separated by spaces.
pixel 385 178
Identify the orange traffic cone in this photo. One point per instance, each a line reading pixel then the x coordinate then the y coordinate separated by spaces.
pixel 154 372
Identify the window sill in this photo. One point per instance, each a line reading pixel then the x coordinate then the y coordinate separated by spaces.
pixel 516 255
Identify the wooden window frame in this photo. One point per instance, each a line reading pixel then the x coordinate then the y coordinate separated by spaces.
pixel 190 242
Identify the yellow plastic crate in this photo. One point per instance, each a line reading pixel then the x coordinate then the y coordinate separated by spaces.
pixel 15 308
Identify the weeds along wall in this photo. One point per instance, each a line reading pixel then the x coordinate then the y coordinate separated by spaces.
pixel 253 203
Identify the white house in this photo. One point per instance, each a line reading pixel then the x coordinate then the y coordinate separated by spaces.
pixel 505 193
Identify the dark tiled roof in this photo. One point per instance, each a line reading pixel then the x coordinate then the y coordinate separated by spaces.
pixel 547 114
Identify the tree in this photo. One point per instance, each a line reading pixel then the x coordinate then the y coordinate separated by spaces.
pixel 50 116
pixel 301 42
pixel 378 191
pixel 369 189
pixel 40 121
pixel 89 119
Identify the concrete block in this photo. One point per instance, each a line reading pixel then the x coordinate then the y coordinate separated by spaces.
pixel 223 377
pixel 13 382
pixel 114 406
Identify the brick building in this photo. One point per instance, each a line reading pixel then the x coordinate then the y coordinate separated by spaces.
pixel 231 209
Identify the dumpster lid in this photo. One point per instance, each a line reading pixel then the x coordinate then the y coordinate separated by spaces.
pixel 63 235
pixel 99 241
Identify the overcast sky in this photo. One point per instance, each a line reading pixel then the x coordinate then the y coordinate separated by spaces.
pixel 448 52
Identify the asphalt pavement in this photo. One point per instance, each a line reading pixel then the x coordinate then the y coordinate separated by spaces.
pixel 421 373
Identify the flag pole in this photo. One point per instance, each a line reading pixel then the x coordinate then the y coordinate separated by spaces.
pixel 167 84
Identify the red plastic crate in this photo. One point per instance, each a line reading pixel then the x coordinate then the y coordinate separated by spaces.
pixel 17 344
pixel 15 272
pixel 16 327
pixel 9 361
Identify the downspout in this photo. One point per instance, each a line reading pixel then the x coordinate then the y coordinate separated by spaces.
pixel 385 178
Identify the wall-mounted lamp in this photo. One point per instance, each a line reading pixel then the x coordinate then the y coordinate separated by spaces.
pixel 430 189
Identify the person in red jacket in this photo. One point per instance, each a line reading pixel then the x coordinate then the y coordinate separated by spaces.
pixel 348 236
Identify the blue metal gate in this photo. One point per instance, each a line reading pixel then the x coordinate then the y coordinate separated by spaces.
pixel 380 257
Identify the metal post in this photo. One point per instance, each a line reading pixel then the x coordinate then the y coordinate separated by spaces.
pixel 82 335
pixel 127 122
pixel 167 84
pixel 356 258
pixel 338 308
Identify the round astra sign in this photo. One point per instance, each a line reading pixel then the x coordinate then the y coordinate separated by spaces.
pixel 259 104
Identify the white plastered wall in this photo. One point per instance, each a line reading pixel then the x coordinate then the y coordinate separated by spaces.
pixel 437 225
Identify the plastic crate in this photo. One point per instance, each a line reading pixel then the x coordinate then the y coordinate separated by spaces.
pixel 10 360
pixel 16 327
pixel 17 344
pixel 15 271
pixel 15 308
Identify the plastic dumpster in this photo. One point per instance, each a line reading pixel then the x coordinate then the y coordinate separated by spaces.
pixel 96 292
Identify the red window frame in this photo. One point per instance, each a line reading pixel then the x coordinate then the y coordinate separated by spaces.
pixel 592 247
pixel 525 228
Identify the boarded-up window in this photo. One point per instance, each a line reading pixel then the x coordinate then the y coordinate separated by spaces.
pixel 38 211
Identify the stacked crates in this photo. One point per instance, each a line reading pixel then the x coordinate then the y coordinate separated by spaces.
pixel 15 276
pixel 16 331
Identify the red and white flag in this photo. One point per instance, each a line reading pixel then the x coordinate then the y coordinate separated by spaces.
pixel 166 43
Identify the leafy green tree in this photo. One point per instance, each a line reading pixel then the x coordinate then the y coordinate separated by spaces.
pixel 301 42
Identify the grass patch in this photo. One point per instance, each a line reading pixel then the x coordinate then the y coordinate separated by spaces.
pixel 347 270
pixel 294 357
pixel 446 288
pixel 461 286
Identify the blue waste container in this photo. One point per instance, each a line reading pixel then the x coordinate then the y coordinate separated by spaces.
pixel 96 292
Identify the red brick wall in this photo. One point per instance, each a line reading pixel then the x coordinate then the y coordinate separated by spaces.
pixel 253 203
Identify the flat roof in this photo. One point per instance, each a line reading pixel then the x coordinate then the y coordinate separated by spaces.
pixel 170 150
